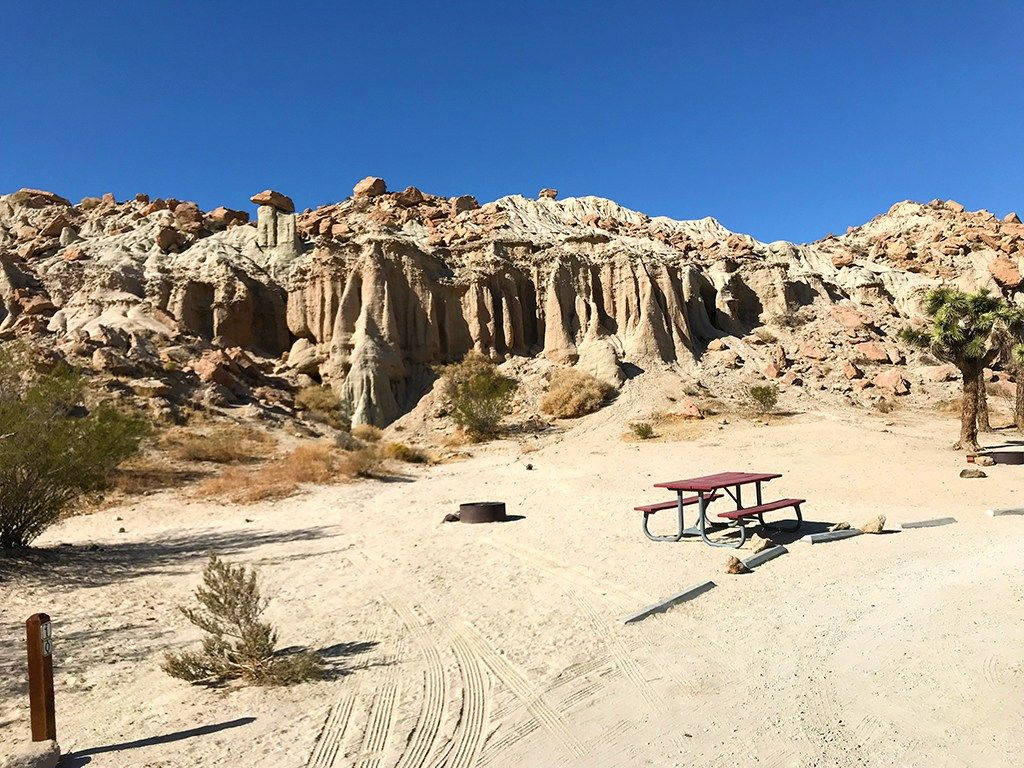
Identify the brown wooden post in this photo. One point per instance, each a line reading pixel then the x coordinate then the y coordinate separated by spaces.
pixel 40 677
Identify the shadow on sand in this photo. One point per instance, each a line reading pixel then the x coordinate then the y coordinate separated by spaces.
pixel 83 756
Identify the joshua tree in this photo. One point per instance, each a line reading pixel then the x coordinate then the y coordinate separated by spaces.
pixel 1014 355
pixel 966 330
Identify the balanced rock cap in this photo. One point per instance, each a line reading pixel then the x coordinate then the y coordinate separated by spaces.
pixel 274 199
pixel 371 186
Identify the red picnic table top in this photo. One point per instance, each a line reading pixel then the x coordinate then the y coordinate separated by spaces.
pixel 714 482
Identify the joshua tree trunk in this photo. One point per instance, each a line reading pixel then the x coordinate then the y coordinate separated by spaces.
pixel 984 425
pixel 969 410
pixel 1018 404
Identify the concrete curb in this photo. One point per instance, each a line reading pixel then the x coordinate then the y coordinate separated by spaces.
pixel 764 556
pixel 1003 512
pixel 668 602
pixel 928 523
pixel 820 538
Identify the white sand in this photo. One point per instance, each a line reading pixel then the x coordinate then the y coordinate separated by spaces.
pixel 501 645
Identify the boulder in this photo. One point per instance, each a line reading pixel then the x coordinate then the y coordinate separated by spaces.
pixel 547 194
pixel 954 206
pixel 972 473
pixel 371 186
pixel 891 381
pixel 109 360
pixel 851 371
pixel 873 351
pixel 1011 218
pixel 944 372
pixel 227 217
pixel 410 196
pixel 169 239
pixel 463 203
pixel 275 200
pixel 874 525
pixel 811 351
pixel 1005 272
pixel 849 318
pixel 39 198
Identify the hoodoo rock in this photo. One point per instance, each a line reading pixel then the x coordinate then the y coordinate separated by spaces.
pixel 275 200
pixel 370 294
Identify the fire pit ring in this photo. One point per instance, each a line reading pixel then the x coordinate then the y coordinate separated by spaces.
pixel 482 512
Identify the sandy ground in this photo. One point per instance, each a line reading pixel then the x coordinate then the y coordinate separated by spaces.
pixel 502 645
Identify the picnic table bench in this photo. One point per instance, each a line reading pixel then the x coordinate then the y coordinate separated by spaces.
pixel 709 488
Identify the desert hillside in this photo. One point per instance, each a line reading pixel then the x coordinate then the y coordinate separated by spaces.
pixel 179 309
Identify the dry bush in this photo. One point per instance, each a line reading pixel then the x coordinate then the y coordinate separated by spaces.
pixel 280 478
pixel 765 335
pixel 238 645
pixel 144 474
pixel 323 404
pixel 573 393
pixel 762 398
pixel 368 461
pixel 367 433
pixel 407 453
pixel 227 444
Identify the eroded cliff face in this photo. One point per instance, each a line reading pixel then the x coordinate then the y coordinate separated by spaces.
pixel 370 294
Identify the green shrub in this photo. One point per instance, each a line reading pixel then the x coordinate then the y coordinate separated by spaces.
pixel 763 397
pixel 238 645
pixel 573 393
pixel 480 395
pixel 52 449
pixel 642 429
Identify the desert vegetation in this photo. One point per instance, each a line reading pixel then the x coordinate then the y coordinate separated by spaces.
pixel 217 443
pixel 238 643
pixel 642 429
pixel 480 396
pixel 53 447
pixel 323 404
pixel 762 398
pixel 573 393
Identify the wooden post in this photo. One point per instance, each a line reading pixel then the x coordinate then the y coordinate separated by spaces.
pixel 40 677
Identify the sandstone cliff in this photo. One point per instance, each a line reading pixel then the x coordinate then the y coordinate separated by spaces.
pixel 369 294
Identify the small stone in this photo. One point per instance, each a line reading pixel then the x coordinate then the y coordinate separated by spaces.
pixel 972 473
pixel 984 461
pixel 840 527
pixel 874 525
pixel 120 530
pixel 759 543
pixel 450 518
pixel 735 566
pixel 529 466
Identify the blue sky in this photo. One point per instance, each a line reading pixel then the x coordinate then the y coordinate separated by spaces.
pixel 783 120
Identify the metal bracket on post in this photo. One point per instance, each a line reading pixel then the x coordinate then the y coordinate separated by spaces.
pixel 40 677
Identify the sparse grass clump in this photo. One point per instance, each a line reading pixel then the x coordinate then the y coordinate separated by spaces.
pixel 367 433
pixel 52 450
pixel 642 429
pixel 227 444
pixel 368 461
pixel 238 644
pixel 323 404
pixel 762 398
pixel 407 453
pixel 479 394
pixel 573 393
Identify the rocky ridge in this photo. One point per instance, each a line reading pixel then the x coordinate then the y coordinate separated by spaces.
pixel 182 308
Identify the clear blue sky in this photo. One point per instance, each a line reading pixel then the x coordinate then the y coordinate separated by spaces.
pixel 783 120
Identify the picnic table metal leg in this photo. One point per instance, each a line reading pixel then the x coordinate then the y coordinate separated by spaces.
pixel 702 523
pixel 758 486
pixel 670 537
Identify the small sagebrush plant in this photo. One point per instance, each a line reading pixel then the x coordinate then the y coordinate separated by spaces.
pixel 480 395
pixel 238 644
pixel 323 404
pixel 642 429
pixel 763 397
pixel 574 393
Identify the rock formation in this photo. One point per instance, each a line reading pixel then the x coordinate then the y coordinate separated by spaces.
pixel 369 294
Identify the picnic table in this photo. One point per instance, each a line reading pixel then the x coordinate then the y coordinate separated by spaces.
pixel 710 488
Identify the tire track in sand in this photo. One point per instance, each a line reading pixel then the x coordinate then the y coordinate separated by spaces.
pixel 531 696
pixel 325 752
pixel 378 727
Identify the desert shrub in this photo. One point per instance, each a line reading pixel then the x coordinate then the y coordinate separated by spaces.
pixel 763 397
pixel 642 429
pixel 765 335
pixel 277 479
pixel 323 404
pixel 883 406
pixel 238 644
pixel 368 461
pixel 573 393
pixel 52 449
pixel 406 453
pixel 219 444
pixel 366 432
pixel 480 395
